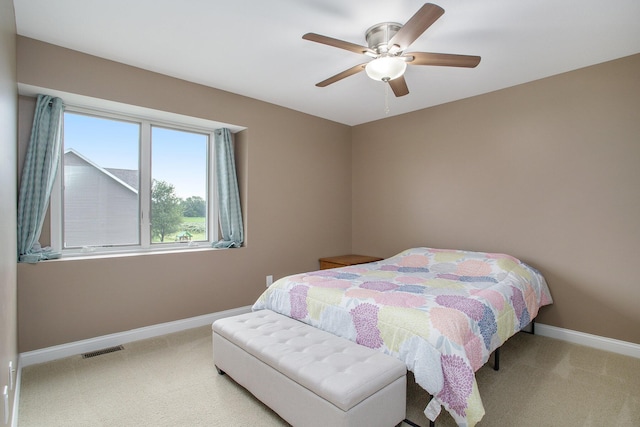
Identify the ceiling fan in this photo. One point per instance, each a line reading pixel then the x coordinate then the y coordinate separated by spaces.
pixel 387 43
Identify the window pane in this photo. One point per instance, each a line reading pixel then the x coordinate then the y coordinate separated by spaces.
pixel 179 185
pixel 101 181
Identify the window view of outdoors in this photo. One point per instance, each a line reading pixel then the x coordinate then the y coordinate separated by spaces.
pixel 102 183
pixel 179 191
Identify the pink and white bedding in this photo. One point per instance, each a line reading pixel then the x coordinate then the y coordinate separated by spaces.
pixel 442 312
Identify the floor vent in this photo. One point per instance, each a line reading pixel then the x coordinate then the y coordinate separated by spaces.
pixel 103 351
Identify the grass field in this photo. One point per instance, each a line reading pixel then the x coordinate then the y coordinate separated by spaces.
pixel 194 225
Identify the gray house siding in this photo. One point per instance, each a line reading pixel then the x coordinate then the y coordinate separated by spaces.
pixel 99 208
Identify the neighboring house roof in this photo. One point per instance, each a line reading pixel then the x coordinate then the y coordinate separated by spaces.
pixel 130 176
pixel 123 177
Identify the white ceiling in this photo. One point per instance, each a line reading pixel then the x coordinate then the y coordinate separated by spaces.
pixel 255 47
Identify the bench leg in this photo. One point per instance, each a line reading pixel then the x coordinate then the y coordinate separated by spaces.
pixel 220 371
pixel 412 424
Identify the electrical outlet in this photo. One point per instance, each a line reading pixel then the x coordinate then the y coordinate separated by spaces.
pixel 269 280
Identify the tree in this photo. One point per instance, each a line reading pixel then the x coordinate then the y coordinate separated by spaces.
pixel 166 209
pixel 194 206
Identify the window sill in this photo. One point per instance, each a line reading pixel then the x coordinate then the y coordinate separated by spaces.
pixel 76 256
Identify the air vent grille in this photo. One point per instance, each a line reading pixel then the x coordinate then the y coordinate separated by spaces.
pixel 103 351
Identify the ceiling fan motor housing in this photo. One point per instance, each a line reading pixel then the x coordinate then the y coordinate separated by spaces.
pixel 379 35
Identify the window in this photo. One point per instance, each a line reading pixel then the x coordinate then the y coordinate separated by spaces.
pixel 127 183
pixel 179 185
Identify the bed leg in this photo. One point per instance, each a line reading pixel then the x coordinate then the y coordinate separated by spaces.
pixel 496 359
pixel 533 328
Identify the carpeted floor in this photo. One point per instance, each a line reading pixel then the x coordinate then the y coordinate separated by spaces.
pixel 171 381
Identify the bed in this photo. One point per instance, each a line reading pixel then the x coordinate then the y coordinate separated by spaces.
pixel 442 312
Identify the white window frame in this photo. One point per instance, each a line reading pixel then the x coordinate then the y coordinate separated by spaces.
pixel 145 245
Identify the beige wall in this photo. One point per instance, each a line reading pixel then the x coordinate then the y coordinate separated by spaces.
pixel 8 132
pixel 547 171
pixel 296 187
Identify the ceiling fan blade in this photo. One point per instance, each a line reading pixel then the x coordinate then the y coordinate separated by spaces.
pixel 418 24
pixel 346 73
pixel 399 86
pixel 330 41
pixel 443 59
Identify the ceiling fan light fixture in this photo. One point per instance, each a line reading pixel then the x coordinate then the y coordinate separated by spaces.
pixel 386 68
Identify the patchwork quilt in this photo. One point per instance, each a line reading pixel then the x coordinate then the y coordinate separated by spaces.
pixel 442 312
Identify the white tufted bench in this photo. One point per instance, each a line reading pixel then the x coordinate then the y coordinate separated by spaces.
pixel 308 376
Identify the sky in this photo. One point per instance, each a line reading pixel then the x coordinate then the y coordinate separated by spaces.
pixel 178 157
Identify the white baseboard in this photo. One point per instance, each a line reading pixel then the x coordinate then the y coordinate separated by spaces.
pixel 595 341
pixel 93 344
pixel 16 395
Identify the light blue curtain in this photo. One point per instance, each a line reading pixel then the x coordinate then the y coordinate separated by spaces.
pixel 228 195
pixel 38 174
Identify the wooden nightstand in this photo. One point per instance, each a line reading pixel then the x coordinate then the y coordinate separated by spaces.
pixel 345 260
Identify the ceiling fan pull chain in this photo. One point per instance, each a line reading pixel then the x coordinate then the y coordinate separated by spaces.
pixel 386 99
